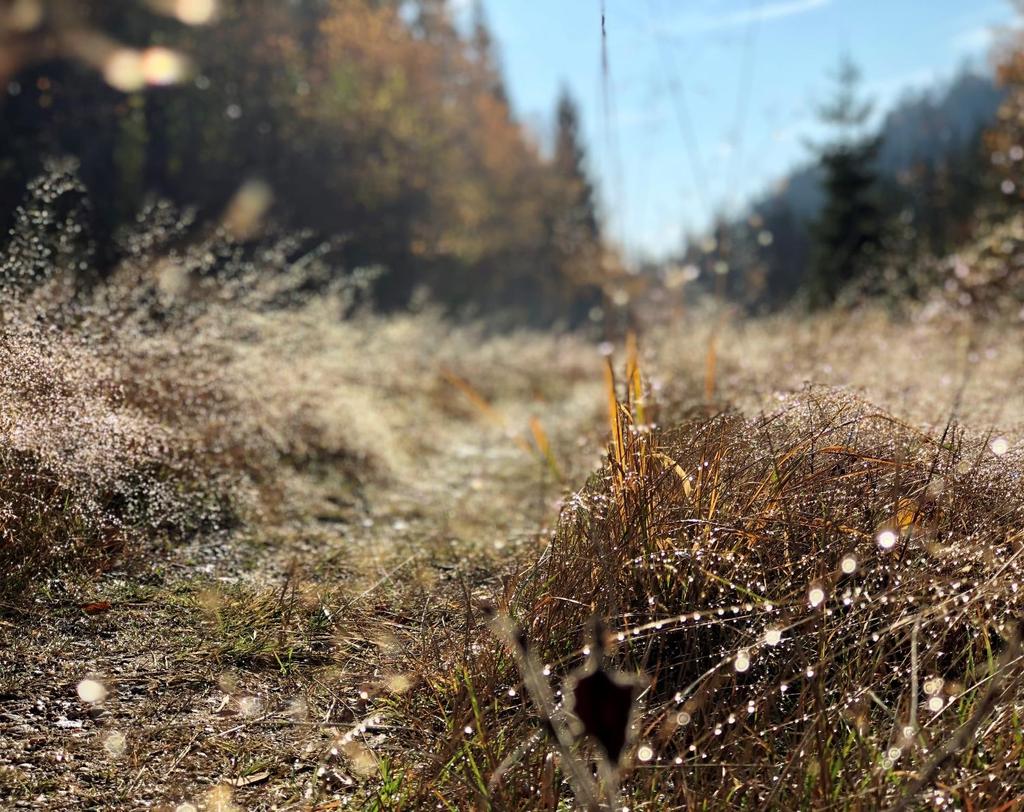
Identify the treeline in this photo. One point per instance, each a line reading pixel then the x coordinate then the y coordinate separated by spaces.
pixel 381 122
pixel 876 209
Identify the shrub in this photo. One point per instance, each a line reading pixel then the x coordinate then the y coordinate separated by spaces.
pixel 125 401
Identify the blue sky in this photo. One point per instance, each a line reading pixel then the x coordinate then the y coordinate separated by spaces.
pixel 712 100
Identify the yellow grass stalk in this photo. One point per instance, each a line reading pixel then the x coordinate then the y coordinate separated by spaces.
pixel 540 437
pixel 710 368
pixel 482 404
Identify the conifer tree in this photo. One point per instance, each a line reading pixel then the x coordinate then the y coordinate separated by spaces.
pixel 485 53
pixel 576 232
pixel 580 225
pixel 848 230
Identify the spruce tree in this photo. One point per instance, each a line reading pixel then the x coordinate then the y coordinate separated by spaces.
pixel 576 229
pixel 580 223
pixel 848 230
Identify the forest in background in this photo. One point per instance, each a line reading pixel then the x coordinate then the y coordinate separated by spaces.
pixel 384 128
pixel 379 124
pixel 930 181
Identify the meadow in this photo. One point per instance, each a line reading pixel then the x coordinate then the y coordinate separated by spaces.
pixel 270 549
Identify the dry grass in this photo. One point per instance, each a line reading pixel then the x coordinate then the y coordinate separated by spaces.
pixel 87 455
pixel 819 594
pixel 821 599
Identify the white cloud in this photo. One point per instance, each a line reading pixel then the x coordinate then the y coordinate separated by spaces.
pixel 772 11
pixel 698 23
pixel 974 40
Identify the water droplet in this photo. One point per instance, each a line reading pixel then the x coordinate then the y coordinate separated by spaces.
pixel 886 539
pixel 91 691
pixel 162 66
pixel 195 12
pixel 249 706
pixel 115 743
pixel 122 70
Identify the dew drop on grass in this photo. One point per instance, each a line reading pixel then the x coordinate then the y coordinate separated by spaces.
pixel 999 446
pixel 886 539
pixel 773 637
pixel 91 691
pixel 249 706
pixel 742 661
pixel 162 66
pixel 848 565
pixel 115 743
pixel 298 711
pixel 122 70
pixel 195 12
pixel 816 596
pixel 220 799
pixel 645 753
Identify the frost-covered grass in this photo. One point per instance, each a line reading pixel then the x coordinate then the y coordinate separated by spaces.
pixel 819 595
pixel 274 528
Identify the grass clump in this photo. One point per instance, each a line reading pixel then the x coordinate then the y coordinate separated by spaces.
pixel 824 602
pixel 131 402
pixel 82 464
pixel 261 628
